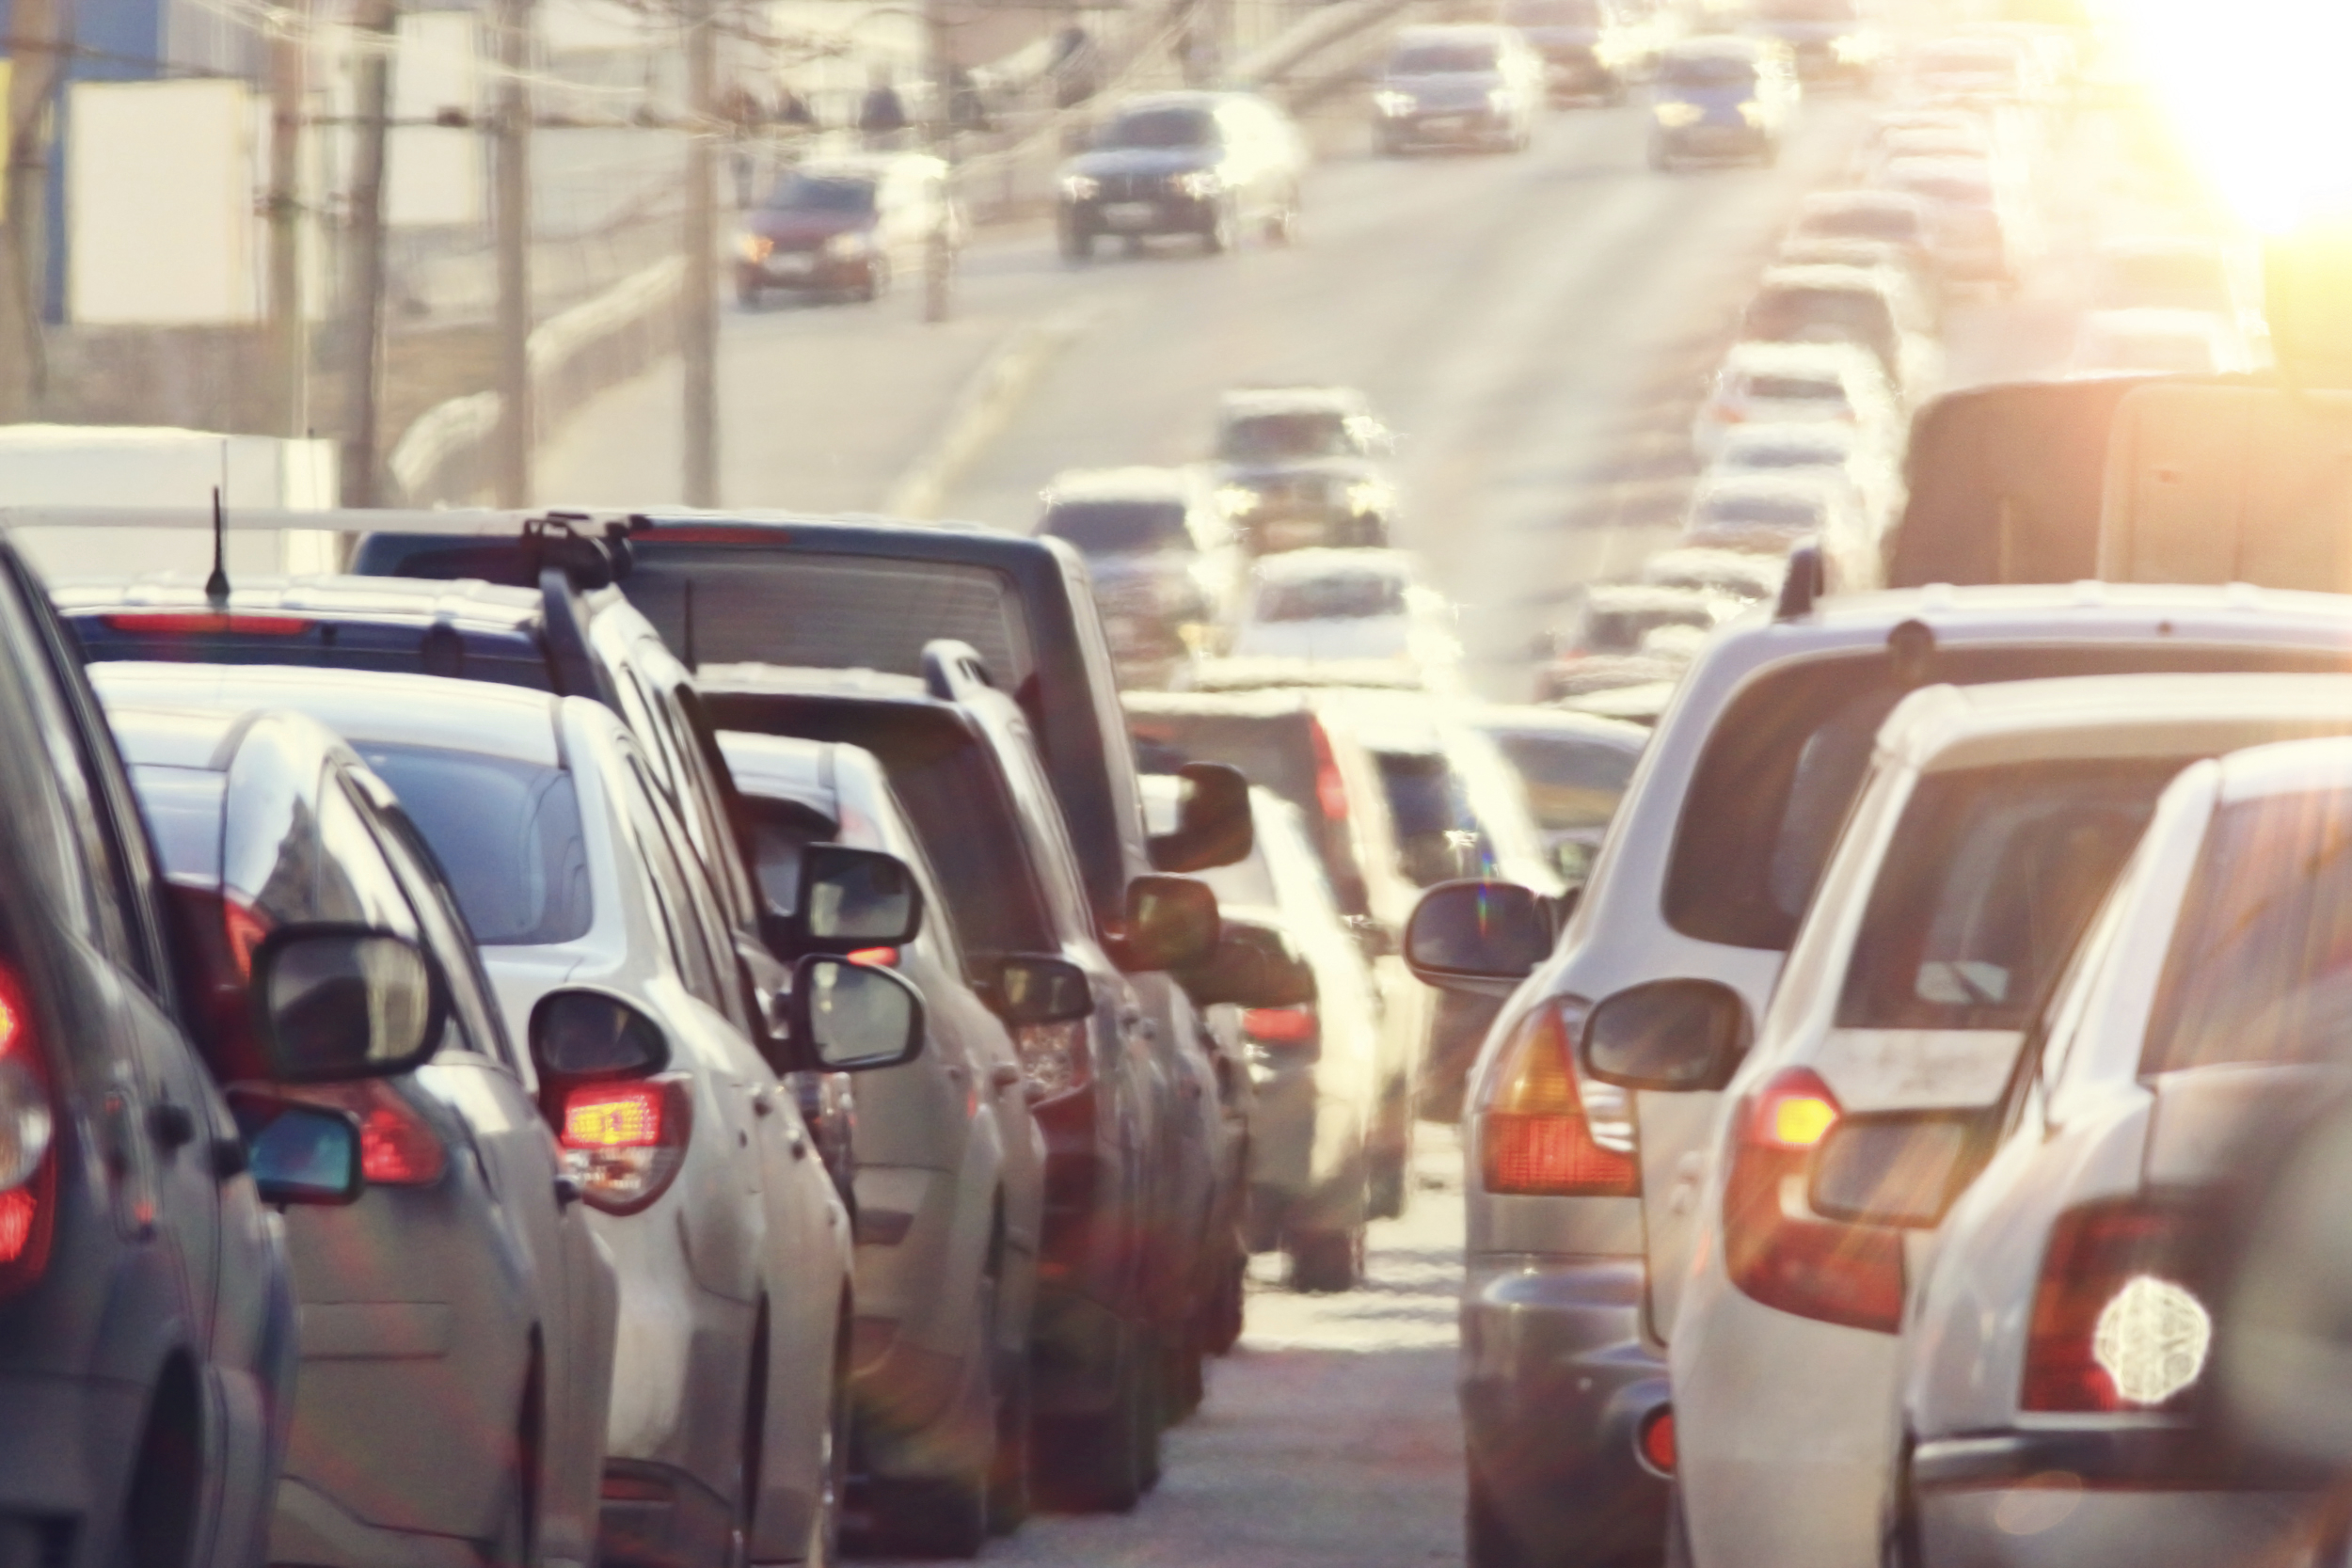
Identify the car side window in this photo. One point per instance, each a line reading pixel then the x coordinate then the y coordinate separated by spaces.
pixel 445 932
pixel 702 909
pixel 112 920
pixel 688 948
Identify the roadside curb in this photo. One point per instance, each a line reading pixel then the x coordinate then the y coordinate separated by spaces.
pixel 983 406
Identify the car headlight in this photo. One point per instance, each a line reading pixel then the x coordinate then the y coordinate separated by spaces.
pixel 1851 48
pixel 847 247
pixel 1392 102
pixel 1674 114
pixel 754 247
pixel 1199 183
pixel 1238 500
pixel 1367 496
pixel 1752 112
pixel 1499 99
pixel 1080 188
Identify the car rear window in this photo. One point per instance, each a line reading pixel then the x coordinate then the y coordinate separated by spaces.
pixel 814 610
pixel 1990 878
pixel 1796 388
pixel 1783 759
pixel 506 658
pixel 2260 966
pixel 1570 782
pixel 1341 597
pixel 1277 438
pixel 1118 527
pixel 1441 59
pixel 508 836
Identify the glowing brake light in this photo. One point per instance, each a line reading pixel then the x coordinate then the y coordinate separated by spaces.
pixel 1535 1134
pixel 1280 1026
pixel 1330 788
pixel 206 622
pixel 887 958
pixel 1776 1249
pixel 2117 1321
pixel 397 1147
pixel 1056 1058
pixel 28 1122
pixel 623 1142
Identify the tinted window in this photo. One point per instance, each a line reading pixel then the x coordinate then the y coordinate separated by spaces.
pixel 1439 59
pixel 1990 877
pixel 689 950
pixel 821 193
pixel 1274 437
pixel 1895 224
pixel 1160 128
pixel 474 1018
pixel 507 658
pixel 508 834
pixel 1706 71
pixel 1824 316
pixel 2261 967
pixel 1119 527
pixel 1782 760
pixel 1797 389
pixel 1438 836
pixel 1339 597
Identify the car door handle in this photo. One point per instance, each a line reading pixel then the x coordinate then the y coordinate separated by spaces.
pixel 1004 1076
pixel 566 1193
pixel 799 1145
pixel 171 1125
pixel 761 1105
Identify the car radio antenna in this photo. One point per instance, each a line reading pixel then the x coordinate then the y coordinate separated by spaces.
pixel 216 586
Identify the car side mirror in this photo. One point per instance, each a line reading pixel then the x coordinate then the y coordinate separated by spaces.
pixel 1892 1170
pixel 1376 936
pixel 341 1002
pixel 1480 936
pixel 1253 965
pixel 852 897
pixel 1172 922
pixel 1034 989
pixel 1668 1034
pixel 580 1034
pixel 300 1152
pixel 854 1017
pixel 1213 822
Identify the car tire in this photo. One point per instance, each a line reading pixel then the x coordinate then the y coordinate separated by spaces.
pixel 1095 1463
pixel 1486 1541
pixel 1326 1262
pixel 1152 1410
pixel 948 1517
pixel 161 1511
pixel 1282 227
pixel 1010 1483
pixel 748 294
pixel 1221 1314
pixel 1224 231
pixel 1660 159
pixel 876 280
pixel 1183 1383
pixel 1076 243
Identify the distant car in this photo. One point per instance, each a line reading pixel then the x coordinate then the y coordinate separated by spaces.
pixel 2133 343
pixel 1163 554
pixel 2197 1029
pixel 1820 448
pixel 1349 608
pixel 1877 217
pixel 1299 466
pixel 1800 506
pixel 1610 621
pixel 1983 233
pixel 146 1299
pixel 950 1177
pixel 1720 98
pixel 1313 1056
pixel 571 871
pixel 1573 770
pixel 1591 49
pixel 847 226
pixel 1831 41
pixel 458 1320
pixel 1872 309
pixel 1214 166
pixel 1459 85
pixel 1734 574
pixel 2164 273
pixel 1765 383
pixel 1973 66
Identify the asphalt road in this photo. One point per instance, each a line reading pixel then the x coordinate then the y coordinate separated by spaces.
pixel 1538 327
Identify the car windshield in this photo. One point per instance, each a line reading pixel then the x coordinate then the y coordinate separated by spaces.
pixel 1273 438
pixel 508 836
pixel 1863 221
pixel 1707 71
pixel 1442 59
pixel 1992 875
pixel 1791 452
pixel 1118 527
pixel 822 192
pixel 1620 631
pixel 1571 782
pixel 1795 388
pixel 1162 129
pixel 1822 315
pixel 1339 597
pixel 1438 836
pixel 2260 965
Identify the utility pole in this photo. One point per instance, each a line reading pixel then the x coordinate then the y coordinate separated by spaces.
pixel 363 288
pixel 698 299
pixel 510 218
pixel 938 253
pixel 289 322
pixel 36 56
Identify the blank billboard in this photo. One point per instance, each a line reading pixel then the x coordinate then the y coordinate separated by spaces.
pixel 160 203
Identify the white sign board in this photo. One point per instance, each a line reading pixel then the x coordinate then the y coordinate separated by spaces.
pixel 160 204
pixel 434 174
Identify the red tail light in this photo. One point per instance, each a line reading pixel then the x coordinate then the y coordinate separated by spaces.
pixel 1536 1135
pixel 1657 1440
pixel 887 958
pixel 1055 1059
pixel 205 622
pixel 397 1147
pixel 1281 1027
pixel 29 1124
pixel 1775 1247
pixel 1330 788
pixel 2116 1325
pixel 624 1142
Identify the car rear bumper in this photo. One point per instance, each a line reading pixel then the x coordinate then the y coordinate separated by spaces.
pixel 2059 1523
pixel 1164 213
pixel 1714 141
pixel 1445 127
pixel 1555 1380
pixel 658 1517
pixel 796 269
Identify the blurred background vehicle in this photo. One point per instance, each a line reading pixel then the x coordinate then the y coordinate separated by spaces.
pixel 2137 341
pixel 1719 97
pixel 848 226
pixel 1572 770
pixel 1303 467
pixel 1467 85
pixel 1163 555
pixel 1873 485
pixel 1348 609
pixel 1217 167
pixel 1831 41
pixel 1592 50
pixel 1799 383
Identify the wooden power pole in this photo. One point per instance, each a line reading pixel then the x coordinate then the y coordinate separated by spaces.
pixel 511 221
pixel 36 61
pixel 698 297
pixel 288 319
pixel 364 277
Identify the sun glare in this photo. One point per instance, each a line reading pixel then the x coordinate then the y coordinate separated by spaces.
pixel 2254 88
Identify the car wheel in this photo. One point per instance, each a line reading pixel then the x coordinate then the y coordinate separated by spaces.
pixel 1010 1486
pixel 1182 1383
pixel 1488 1542
pixel 1222 1312
pixel 876 280
pixel 159 1514
pixel 1282 227
pixel 1222 233
pixel 748 294
pixel 1390 1185
pixel 1677 1529
pixel 1095 1463
pixel 1076 243
pixel 1152 1409
pixel 949 1516
pixel 1324 1262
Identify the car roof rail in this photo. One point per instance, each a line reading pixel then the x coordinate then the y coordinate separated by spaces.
pixel 564 628
pixel 952 668
pixel 1803 584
